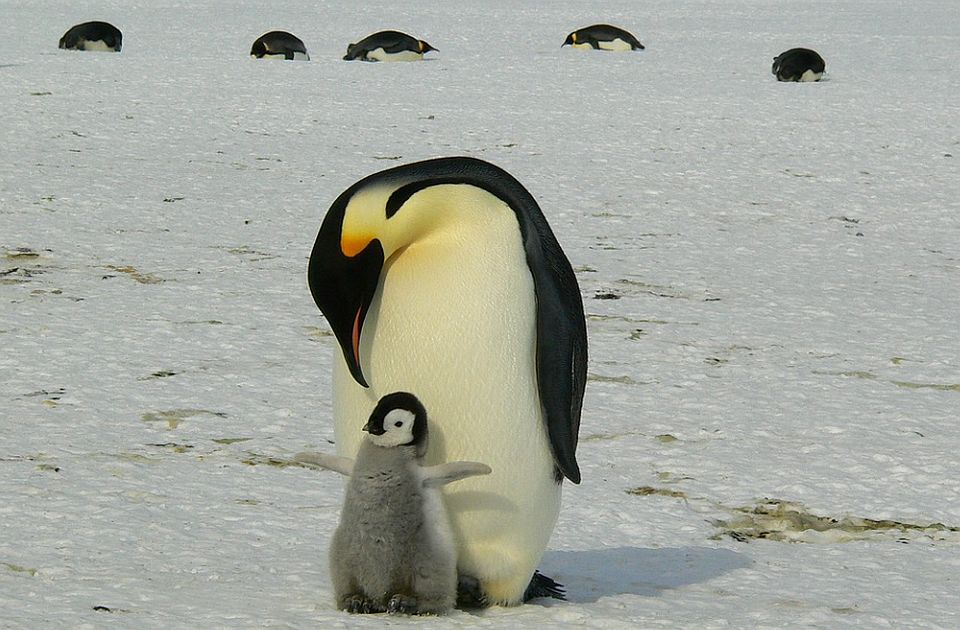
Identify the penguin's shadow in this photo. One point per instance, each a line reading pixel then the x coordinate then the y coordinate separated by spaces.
pixel 591 574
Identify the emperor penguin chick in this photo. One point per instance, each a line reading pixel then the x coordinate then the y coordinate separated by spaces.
pixel 393 550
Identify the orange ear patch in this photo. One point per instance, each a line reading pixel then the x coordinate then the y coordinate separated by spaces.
pixel 353 245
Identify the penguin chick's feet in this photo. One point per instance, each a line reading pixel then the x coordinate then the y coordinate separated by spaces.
pixel 402 605
pixel 469 593
pixel 360 605
pixel 543 586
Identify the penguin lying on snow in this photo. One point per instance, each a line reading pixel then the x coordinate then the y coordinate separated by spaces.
pixel 388 46
pixel 798 64
pixel 393 550
pixel 602 37
pixel 98 36
pixel 279 45
pixel 443 277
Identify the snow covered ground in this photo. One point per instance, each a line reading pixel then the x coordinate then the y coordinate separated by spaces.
pixel 771 274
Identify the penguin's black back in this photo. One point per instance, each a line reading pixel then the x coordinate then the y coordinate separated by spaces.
pixel 597 33
pixel 791 64
pixel 76 35
pixel 392 42
pixel 276 43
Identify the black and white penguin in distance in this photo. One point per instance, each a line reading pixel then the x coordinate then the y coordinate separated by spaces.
pixel 393 550
pixel 798 64
pixel 388 46
pixel 443 277
pixel 96 36
pixel 279 45
pixel 602 37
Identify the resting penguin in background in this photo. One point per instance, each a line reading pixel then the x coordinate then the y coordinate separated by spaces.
pixel 393 550
pixel 98 36
pixel 602 37
pixel 279 45
pixel 443 277
pixel 798 64
pixel 388 46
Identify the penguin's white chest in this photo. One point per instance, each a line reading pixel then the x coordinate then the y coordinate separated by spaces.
pixel 617 45
pixel 96 45
pixel 454 323
pixel 380 54
pixel 810 76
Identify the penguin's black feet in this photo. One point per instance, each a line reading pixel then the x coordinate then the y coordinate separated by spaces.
pixel 402 605
pixel 360 605
pixel 469 593
pixel 543 586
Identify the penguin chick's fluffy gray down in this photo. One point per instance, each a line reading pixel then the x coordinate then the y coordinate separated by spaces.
pixel 393 550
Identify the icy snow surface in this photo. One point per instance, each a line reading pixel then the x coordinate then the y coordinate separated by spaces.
pixel 771 274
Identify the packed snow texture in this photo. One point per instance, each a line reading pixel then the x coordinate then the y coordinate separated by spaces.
pixel 771 275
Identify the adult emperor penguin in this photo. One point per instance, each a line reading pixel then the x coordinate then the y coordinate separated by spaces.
pixel 279 45
pixel 388 46
pixel 798 64
pixel 393 550
pixel 443 277
pixel 602 37
pixel 98 36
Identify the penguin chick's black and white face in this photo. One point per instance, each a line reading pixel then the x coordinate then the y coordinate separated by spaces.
pixel 399 419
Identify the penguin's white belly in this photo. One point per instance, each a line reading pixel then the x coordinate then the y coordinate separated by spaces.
pixel 454 323
pixel 617 44
pixel 96 45
pixel 810 75
pixel 582 46
pixel 406 55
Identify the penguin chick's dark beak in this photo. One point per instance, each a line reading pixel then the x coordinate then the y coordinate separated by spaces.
pixel 343 286
pixel 374 430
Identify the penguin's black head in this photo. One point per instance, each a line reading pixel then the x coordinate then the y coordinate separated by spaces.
pixel 570 40
pixel 399 419
pixel 425 47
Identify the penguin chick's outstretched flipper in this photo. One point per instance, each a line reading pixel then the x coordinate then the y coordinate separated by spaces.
pixel 342 465
pixel 436 476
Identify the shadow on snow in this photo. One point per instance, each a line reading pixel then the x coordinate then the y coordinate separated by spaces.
pixel 591 574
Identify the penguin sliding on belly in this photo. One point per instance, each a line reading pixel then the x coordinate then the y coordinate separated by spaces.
pixel 798 64
pixel 443 278
pixel 279 45
pixel 97 36
pixel 602 37
pixel 388 46
pixel 393 550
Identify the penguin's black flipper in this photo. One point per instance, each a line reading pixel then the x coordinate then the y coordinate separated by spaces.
pixel 543 586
